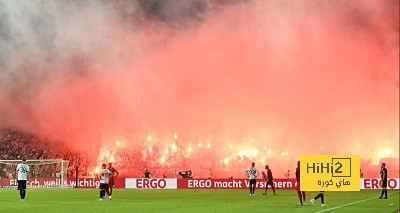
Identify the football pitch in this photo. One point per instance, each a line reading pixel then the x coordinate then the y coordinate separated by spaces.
pixel 190 200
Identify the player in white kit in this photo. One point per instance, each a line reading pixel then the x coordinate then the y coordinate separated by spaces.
pixel 22 177
pixel 105 174
pixel 252 174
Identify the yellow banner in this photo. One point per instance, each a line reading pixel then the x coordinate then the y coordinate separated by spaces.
pixel 330 173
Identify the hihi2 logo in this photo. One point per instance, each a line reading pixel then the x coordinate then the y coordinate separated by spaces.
pixel 330 172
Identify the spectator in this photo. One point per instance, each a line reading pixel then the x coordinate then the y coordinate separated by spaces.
pixel 210 174
pixel 147 174
pixel 287 174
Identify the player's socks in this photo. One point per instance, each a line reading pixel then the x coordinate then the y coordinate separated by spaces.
pixel 304 197
pixel 22 194
pixel 322 199
pixel 318 196
pixel 383 191
pixel 299 195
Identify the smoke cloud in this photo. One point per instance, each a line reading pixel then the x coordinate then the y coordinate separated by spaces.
pixel 302 77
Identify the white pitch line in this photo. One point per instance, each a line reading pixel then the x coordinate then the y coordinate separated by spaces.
pixel 360 201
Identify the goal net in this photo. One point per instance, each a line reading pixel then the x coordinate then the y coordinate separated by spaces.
pixel 42 173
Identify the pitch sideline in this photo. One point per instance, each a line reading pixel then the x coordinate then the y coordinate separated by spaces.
pixel 349 204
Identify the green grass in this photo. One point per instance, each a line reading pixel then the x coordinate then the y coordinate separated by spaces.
pixel 126 200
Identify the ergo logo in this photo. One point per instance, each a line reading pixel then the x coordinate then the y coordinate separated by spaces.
pixel 151 183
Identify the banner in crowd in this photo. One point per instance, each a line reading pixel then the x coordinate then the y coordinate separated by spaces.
pixel 375 183
pixel 171 183
pixel 232 183
pixel 151 183
pixel 54 182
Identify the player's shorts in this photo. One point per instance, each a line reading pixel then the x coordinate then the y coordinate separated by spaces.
pixel 111 182
pixel 103 186
pixel 252 181
pixel 21 184
pixel 271 183
pixel 298 185
pixel 384 183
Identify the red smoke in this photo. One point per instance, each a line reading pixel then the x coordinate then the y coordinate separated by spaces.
pixel 303 77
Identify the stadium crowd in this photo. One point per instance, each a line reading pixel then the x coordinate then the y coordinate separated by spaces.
pixel 133 159
pixel 15 144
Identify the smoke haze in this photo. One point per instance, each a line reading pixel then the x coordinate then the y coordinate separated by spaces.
pixel 303 77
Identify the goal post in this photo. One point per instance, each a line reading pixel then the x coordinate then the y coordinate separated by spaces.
pixel 50 172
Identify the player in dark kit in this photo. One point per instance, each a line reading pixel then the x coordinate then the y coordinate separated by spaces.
pixel 269 180
pixel 384 180
pixel 111 182
pixel 301 194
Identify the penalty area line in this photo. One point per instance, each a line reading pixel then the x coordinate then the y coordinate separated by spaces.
pixel 349 204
